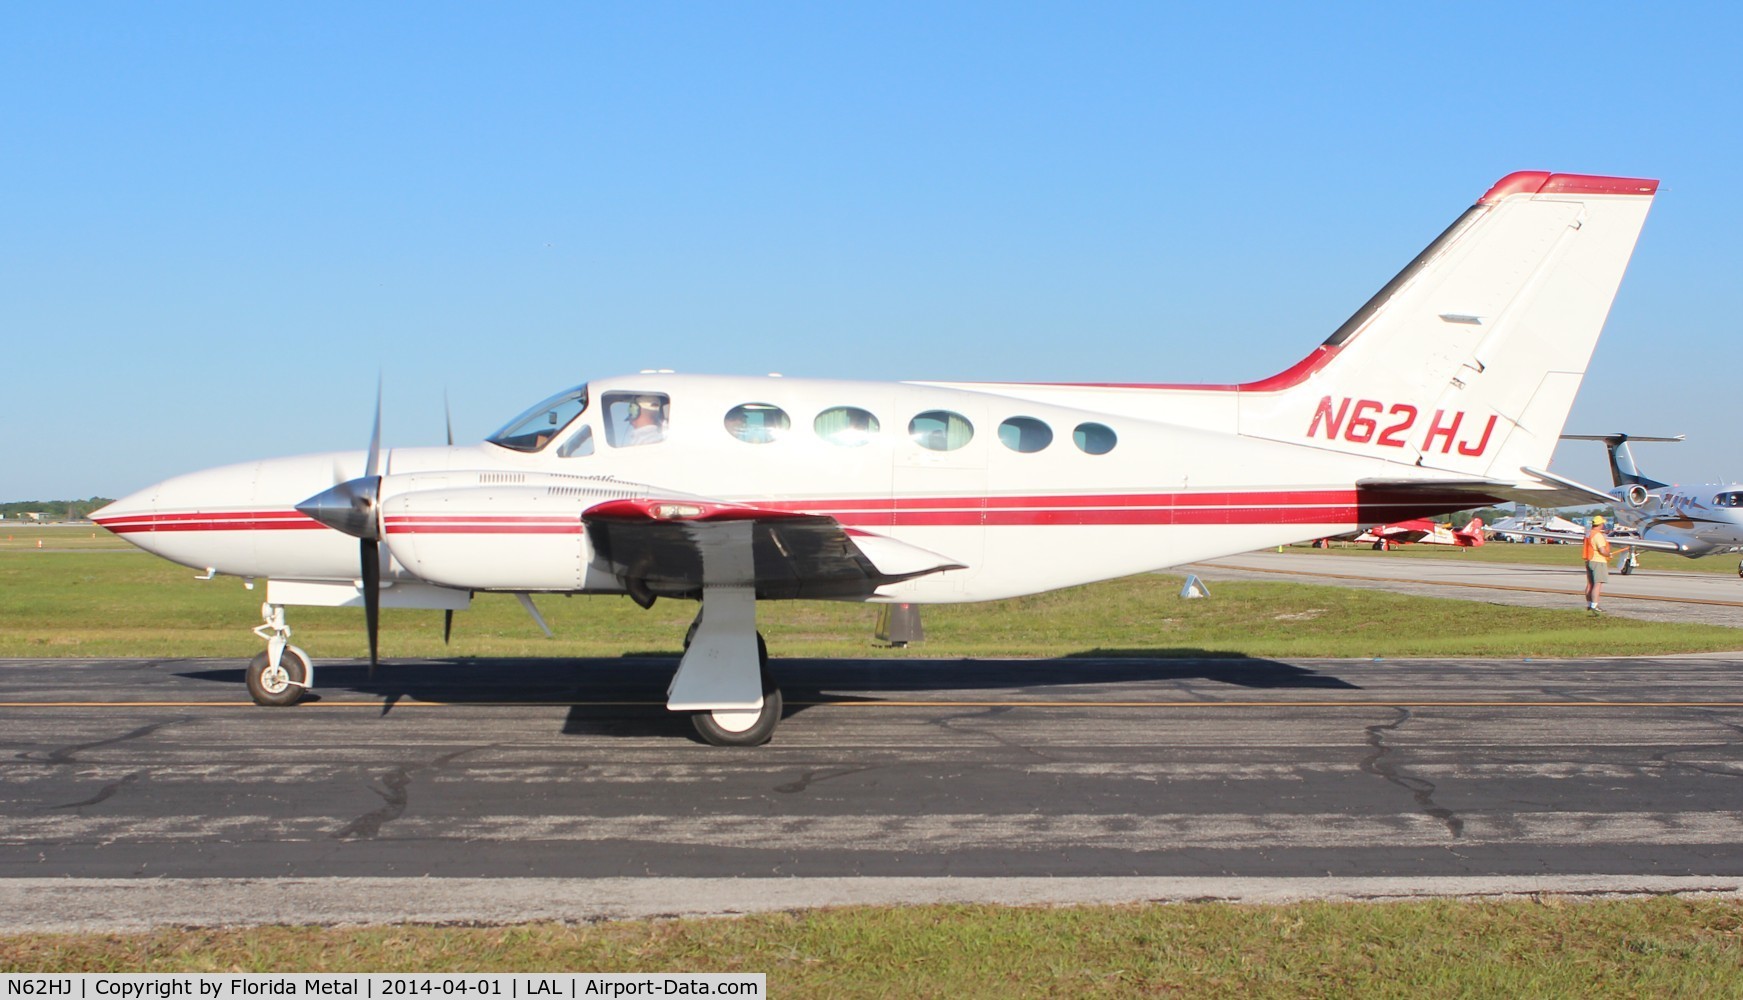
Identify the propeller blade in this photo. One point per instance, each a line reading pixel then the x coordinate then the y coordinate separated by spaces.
pixel 447 625
pixel 448 414
pixel 370 552
pixel 369 470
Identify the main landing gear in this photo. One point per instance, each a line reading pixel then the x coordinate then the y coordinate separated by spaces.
pixel 748 727
pixel 723 681
pixel 282 674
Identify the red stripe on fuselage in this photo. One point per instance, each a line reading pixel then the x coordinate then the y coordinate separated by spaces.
pixel 1324 506
pixel 1109 500
pixel 242 520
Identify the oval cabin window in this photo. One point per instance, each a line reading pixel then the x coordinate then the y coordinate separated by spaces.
pixel 757 423
pixel 1094 439
pixel 1025 434
pixel 847 426
pixel 940 430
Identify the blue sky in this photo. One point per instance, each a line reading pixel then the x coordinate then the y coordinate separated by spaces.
pixel 221 221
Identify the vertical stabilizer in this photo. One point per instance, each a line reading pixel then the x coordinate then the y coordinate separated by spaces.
pixel 1623 470
pixel 1467 362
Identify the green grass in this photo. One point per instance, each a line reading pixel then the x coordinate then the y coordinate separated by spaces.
pixel 107 601
pixel 126 603
pixel 1660 947
pixel 21 537
pixel 1529 555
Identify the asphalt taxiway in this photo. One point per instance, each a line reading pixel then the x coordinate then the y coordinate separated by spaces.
pixel 1661 593
pixel 135 792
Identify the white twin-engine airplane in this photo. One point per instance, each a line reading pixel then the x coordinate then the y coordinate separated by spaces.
pixel 1434 396
pixel 1691 521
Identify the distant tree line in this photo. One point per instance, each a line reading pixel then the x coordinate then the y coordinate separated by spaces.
pixel 1489 515
pixel 60 510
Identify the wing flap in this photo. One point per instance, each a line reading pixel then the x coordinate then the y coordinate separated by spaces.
pixel 660 546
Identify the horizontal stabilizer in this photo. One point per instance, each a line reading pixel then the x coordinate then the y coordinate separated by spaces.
pixel 1570 491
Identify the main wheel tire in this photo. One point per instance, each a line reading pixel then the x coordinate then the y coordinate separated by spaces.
pixel 281 686
pixel 746 727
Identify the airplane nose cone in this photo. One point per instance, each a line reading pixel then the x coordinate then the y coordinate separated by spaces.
pixel 131 513
pixel 348 507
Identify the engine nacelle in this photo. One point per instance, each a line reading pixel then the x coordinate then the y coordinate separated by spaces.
pixel 1637 495
pixel 498 536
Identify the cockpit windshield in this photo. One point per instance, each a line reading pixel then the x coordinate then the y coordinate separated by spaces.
pixel 533 429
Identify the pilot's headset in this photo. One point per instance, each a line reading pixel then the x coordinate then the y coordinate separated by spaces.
pixel 634 409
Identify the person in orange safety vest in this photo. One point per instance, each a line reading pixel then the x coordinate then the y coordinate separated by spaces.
pixel 1597 554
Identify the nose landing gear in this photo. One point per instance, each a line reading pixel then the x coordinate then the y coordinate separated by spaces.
pixel 282 674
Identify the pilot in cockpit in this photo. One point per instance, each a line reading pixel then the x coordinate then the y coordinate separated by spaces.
pixel 647 420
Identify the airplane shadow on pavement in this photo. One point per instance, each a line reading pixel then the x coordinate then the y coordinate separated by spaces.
pixel 625 696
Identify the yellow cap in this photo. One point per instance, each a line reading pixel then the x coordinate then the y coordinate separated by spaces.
pixel 1597 522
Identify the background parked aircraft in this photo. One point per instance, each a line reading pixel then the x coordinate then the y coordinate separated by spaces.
pixel 1422 531
pixel 1692 521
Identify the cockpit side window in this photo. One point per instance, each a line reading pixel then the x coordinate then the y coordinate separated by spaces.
pixel 633 419
pixel 579 445
pixel 533 429
pixel 1728 500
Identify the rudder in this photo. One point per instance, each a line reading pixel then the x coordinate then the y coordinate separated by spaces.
pixel 1467 361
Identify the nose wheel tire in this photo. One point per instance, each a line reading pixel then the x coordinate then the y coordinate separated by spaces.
pixel 277 687
pixel 749 727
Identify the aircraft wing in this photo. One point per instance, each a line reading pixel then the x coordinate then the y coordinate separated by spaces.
pixel 1615 542
pixel 672 546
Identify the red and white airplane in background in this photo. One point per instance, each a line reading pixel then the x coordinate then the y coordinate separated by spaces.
pixel 1423 531
pixel 1435 395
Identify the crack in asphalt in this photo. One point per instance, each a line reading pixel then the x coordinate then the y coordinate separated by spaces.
pixel 809 778
pixel 1735 772
pixel 393 794
pixel 1420 789
pixel 103 793
pixel 991 733
pixel 64 755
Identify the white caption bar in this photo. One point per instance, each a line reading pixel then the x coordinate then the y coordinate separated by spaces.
pixel 380 985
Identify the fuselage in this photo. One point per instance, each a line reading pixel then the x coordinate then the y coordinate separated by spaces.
pixel 1435 395
pixel 1027 487
pixel 1703 519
